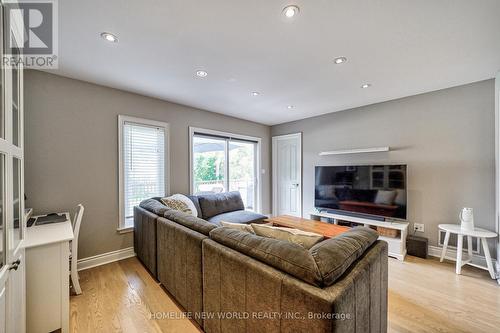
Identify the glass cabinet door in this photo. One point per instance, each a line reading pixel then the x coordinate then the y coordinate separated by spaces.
pixel 3 248
pixel 16 97
pixel 17 202
pixel 12 225
pixel 2 80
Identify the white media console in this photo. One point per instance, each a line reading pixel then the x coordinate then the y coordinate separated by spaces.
pixel 397 245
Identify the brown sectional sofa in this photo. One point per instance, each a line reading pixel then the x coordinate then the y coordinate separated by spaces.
pixel 180 268
pixel 231 281
pixel 145 237
pixel 179 248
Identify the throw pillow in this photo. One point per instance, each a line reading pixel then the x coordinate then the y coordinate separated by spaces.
pixel 385 197
pixel 238 226
pixel 304 238
pixel 181 203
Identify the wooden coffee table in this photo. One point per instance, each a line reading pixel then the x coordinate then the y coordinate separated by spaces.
pixel 328 230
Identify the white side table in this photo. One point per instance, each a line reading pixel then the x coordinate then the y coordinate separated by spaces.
pixel 477 232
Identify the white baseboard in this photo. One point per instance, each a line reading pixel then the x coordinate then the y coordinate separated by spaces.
pixel 105 258
pixel 451 254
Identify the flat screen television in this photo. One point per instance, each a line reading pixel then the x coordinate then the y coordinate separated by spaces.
pixel 362 190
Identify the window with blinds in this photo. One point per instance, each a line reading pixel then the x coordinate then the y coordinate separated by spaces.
pixel 144 164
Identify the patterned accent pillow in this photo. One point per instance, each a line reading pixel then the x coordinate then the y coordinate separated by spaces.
pixel 176 204
pixel 181 203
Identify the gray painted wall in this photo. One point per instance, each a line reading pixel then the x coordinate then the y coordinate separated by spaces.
pixel 446 138
pixel 71 136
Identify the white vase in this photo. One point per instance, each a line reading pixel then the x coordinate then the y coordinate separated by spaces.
pixel 467 219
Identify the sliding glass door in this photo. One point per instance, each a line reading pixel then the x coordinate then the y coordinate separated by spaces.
pixel 242 176
pixel 209 165
pixel 222 164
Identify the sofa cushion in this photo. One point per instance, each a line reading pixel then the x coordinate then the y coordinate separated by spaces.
pixel 215 204
pixel 303 238
pixel 336 255
pixel 189 221
pixel 321 266
pixel 288 257
pixel 238 226
pixel 239 216
pixel 153 206
pixel 196 203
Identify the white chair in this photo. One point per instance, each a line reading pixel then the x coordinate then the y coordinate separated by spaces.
pixel 77 221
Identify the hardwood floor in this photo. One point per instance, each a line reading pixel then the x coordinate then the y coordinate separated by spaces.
pixel 427 296
pixel 424 296
pixel 121 297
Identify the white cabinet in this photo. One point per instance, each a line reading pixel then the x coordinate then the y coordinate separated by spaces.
pixel 396 245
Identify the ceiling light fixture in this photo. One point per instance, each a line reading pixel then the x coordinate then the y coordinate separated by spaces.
pixel 255 93
pixel 339 60
pixel 201 73
pixel 289 107
pixel 108 36
pixel 290 11
pixel 366 85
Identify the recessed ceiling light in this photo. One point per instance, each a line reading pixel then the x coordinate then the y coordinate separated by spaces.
pixel 255 93
pixel 201 73
pixel 289 107
pixel 109 37
pixel 290 11
pixel 366 85
pixel 339 60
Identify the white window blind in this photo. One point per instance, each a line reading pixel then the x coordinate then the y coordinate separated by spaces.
pixel 143 165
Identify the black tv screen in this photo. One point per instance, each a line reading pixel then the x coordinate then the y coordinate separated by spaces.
pixel 365 190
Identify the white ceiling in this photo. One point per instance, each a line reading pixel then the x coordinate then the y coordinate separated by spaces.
pixel 401 47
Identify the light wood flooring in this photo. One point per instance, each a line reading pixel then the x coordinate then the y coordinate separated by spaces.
pixel 424 296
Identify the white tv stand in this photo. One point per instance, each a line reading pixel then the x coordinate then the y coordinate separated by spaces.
pixel 397 246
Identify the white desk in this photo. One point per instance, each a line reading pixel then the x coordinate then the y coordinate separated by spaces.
pixel 47 276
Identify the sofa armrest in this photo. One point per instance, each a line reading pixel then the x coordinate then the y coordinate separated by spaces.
pixel 145 238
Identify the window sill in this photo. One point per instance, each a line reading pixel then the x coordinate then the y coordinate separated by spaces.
pixel 125 230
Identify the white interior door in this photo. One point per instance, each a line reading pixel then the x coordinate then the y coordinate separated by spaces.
pixel 287 175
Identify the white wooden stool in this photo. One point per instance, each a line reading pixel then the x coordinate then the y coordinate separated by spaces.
pixel 477 232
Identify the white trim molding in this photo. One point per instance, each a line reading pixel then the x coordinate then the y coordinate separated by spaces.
pixel 122 119
pixel 105 258
pixel 497 170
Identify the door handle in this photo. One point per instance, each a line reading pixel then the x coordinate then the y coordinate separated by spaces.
pixel 296 185
pixel 15 265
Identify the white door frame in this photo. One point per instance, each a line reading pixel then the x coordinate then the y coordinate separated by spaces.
pixel 275 140
pixel 497 169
